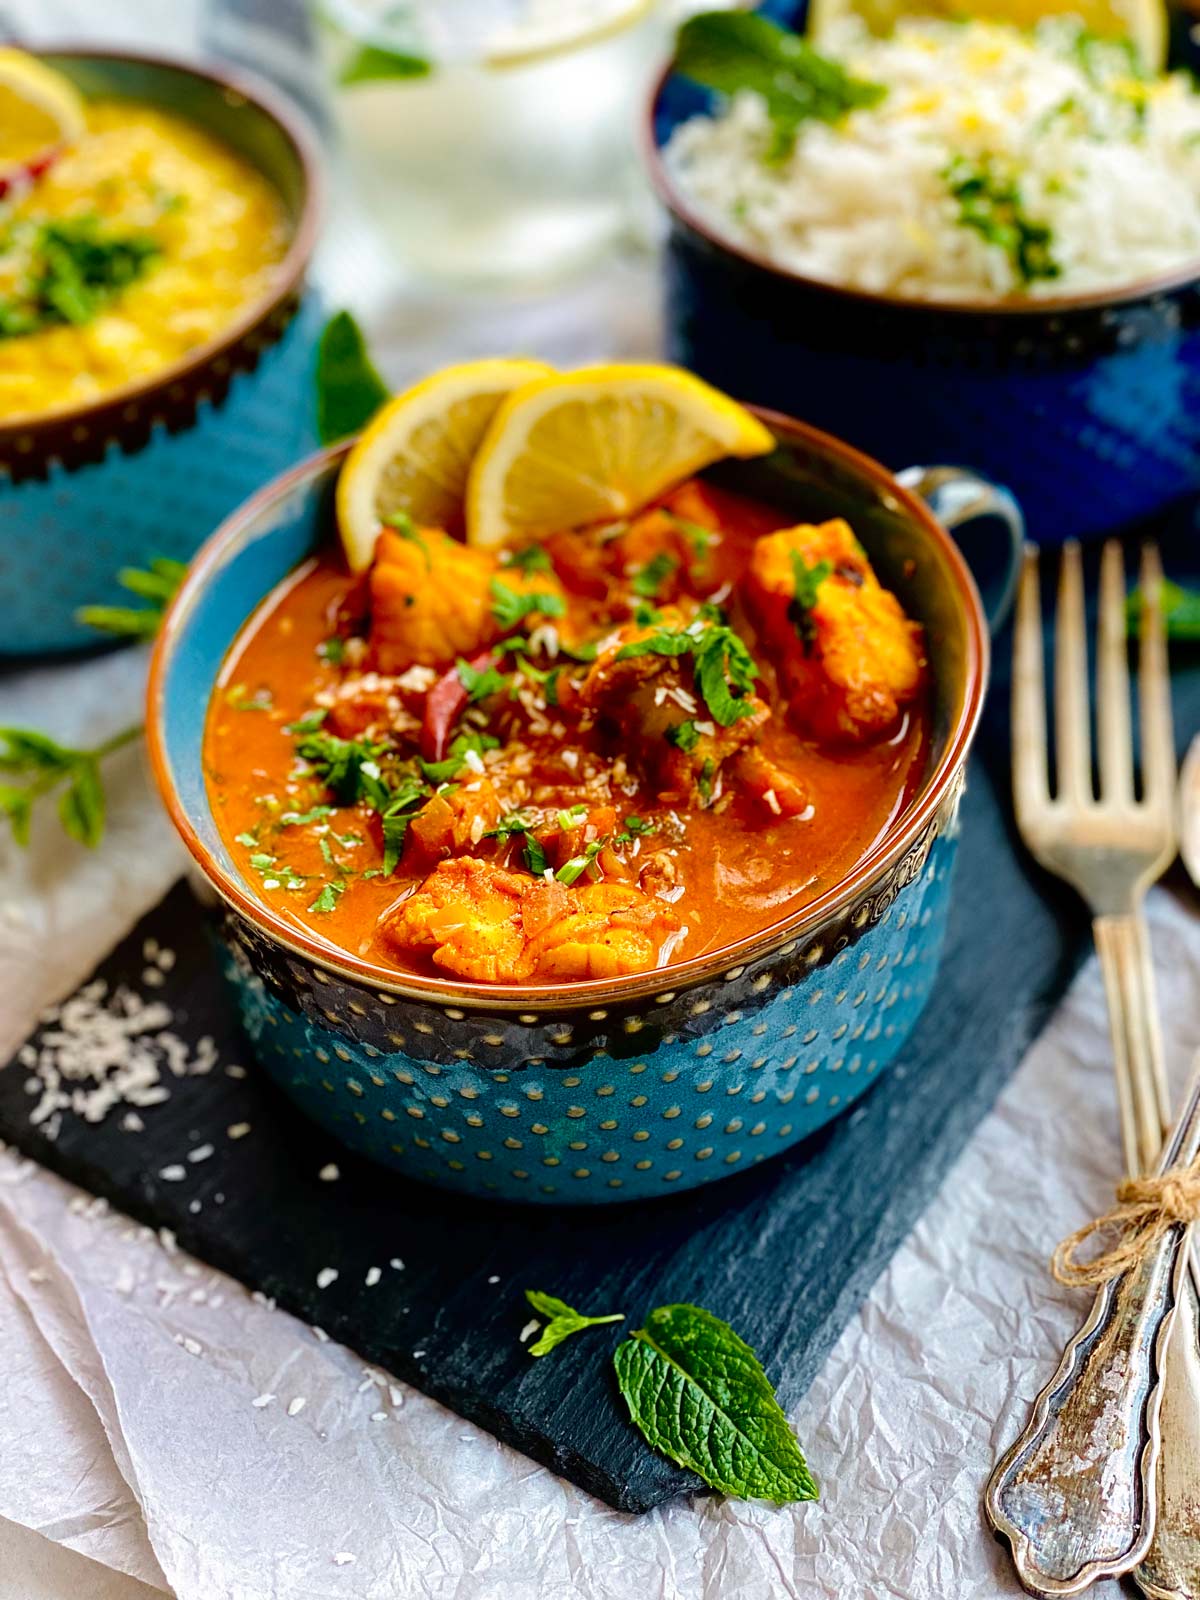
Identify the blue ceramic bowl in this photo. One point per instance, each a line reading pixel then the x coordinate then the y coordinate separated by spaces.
pixel 150 469
pixel 1087 407
pixel 604 1090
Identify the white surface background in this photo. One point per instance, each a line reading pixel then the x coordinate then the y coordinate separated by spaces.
pixel 130 1467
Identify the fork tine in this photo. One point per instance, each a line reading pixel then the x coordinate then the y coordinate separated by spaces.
pixel 1158 737
pixel 1112 680
pixel 1030 788
pixel 1071 733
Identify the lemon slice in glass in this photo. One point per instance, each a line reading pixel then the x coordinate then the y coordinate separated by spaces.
pixel 596 444
pixel 40 113
pixel 1142 21
pixel 415 455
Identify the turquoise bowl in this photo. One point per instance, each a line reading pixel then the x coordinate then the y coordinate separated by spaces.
pixel 605 1090
pixel 150 469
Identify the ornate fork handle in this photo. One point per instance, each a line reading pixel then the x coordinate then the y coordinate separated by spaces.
pixel 1076 1495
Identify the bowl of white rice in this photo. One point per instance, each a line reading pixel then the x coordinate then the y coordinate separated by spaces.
pixel 993 257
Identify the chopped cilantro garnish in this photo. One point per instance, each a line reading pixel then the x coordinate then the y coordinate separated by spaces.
pixel 329 896
pixel 261 861
pixel 535 856
pixel 806 581
pixel 239 699
pixel 456 758
pixel 510 608
pixel 648 580
pixel 991 205
pixel 299 819
pixel 249 839
pixel 332 650
pixel 401 523
pixel 684 735
pixel 533 558
pixel 480 684
pixel 699 538
pixel 514 822
pixel 309 722
pixel 72 269
pixel 724 668
pixel 704 781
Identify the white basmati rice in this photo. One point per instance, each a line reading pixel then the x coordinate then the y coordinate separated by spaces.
pixel 1107 161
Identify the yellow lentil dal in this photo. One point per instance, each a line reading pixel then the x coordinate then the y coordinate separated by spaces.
pixel 221 232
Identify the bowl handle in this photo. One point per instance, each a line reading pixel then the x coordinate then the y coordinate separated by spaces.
pixel 956 497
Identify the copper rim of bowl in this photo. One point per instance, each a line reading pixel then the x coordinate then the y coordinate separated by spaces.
pixel 1013 307
pixel 684 974
pixel 254 91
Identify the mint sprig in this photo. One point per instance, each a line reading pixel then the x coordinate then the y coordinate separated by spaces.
pixel 698 1394
pixel 564 1320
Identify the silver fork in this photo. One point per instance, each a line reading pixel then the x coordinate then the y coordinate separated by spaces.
pixel 1110 846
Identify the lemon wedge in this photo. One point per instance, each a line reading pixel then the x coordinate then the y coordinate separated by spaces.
pixel 40 112
pixel 1142 21
pixel 596 444
pixel 415 455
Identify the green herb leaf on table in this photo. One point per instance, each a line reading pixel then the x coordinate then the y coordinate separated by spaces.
pixel 47 766
pixel 373 64
pixel 698 1394
pixel 349 388
pixel 156 583
pixel 733 50
pixel 563 1320
pixel 71 269
pixel 648 580
pixel 1180 609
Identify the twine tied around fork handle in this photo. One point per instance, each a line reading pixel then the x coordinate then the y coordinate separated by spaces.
pixel 1146 1207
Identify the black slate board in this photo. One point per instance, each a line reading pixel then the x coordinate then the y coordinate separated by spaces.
pixel 785 1252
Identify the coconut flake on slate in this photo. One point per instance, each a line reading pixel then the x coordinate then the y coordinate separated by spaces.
pixel 373 1277
pixel 296 1406
pixel 262 1400
pixel 238 1130
pixel 326 1276
pixel 329 1172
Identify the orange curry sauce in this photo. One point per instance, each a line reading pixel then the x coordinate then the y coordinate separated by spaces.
pixel 728 858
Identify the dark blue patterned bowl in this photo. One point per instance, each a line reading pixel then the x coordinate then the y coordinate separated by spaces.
pixel 1087 407
pixel 603 1090
pixel 151 468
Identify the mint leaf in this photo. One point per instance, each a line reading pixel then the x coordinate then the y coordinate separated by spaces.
pixel 1180 609
pixel 349 389
pixel 373 64
pixel 564 1320
pixel 156 583
pixel 732 50
pixel 698 1394
pixel 510 608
